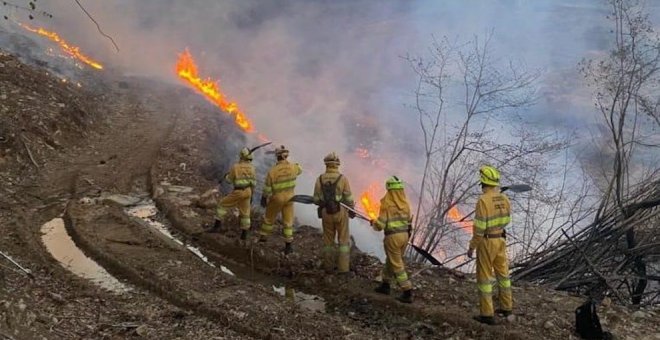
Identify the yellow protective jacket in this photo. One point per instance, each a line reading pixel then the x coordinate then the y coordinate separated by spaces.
pixel 242 175
pixel 281 178
pixel 493 213
pixel 342 191
pixel 394 215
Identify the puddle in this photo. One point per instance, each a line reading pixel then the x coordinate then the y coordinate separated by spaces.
pixel 306 301
pixel 147 210
pixel 64 250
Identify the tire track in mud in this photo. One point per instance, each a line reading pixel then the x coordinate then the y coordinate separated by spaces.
pixel 191 284
pixel 162 289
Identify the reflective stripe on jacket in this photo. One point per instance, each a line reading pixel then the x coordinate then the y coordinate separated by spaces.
pixel 281 177
pixel 242 175
pixel 493 213
pixel 391 217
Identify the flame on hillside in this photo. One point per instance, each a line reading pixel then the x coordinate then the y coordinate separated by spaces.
pixel 72 51
pixel 187 71
pixel 455 216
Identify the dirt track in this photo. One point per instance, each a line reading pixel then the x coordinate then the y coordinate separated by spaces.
pixel 130 139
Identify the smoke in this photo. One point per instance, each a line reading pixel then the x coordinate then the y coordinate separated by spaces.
pixel 321 76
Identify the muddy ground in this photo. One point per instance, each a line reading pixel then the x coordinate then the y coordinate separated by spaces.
pixel 64 149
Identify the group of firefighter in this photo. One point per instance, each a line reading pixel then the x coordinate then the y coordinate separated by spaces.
pixel 332 194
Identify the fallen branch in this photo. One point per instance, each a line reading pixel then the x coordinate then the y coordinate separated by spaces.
pixel 29 152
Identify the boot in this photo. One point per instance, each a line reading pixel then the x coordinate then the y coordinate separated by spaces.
pixel 406 296
pixel 263 238
pixel 503 312
pixel 384 288
pixel 488 320
pixel 244 234
pixel 216 227
pixel 287 248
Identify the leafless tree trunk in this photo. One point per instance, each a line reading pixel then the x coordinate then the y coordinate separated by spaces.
pixel 464 99
pixel 626 85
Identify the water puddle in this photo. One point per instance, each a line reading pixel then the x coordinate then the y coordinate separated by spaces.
pixel 309 302
pixel 147 211
pixel 64 250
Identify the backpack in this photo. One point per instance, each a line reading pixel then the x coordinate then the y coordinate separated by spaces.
pixel 587 323
pixel 329 190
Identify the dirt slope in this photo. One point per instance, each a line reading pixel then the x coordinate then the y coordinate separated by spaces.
pixel 64 147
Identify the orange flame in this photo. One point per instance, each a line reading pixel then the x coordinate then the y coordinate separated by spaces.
pixel 186 69
pixel 459 218
pixel 73 51
pixel 370 203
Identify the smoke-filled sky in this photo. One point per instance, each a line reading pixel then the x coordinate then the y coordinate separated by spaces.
pixel 321 75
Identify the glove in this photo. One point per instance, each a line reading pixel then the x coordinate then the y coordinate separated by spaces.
pixel 264 201
pixel 351 214
pixel 470 253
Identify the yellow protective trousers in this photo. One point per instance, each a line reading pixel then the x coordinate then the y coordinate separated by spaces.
pixel 336 226
pixel 239 198
pixel 279 203
pixel 395 246
pixel 491 258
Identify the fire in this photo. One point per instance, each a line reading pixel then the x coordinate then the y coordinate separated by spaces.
pixel 370 203
pixel 459 218
pixel 186 69
pixel 73 51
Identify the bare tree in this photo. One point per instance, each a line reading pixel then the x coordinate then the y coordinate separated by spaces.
pixel 626 82
pixel 465 99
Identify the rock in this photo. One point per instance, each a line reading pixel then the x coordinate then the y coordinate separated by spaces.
pixel 22 306
pixel 57 297
pixel 61 105
pixel 85 201
pixel 142 331
pixel 548 325
pixel 638 315
pixel 179 189
pixel 511 318
pixel 606 302
pixel 158 191
pixel 466 304
pixel 240 315
pixel 123 200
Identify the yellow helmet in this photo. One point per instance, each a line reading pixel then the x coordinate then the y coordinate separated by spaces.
pixel 331 159
pixel 489 175
pixel 282 152
pixel 245 154
pixel 394 183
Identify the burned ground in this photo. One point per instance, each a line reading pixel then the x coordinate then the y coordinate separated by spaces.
pixel 65 148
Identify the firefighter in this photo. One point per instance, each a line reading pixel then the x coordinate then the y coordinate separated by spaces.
pixel 242 177
pixel 394 217
pixel 492 214
pixel 278 190
pixel 330 190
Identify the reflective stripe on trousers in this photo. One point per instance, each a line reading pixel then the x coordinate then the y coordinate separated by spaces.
pixel 335 226
pixel 279 203
pixel 492 258
pixel 395 246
